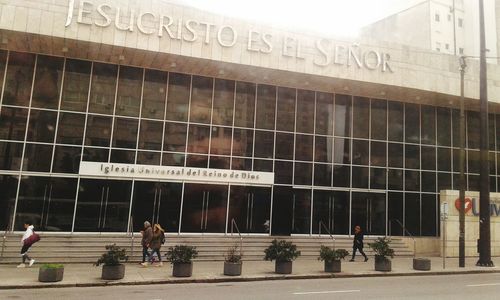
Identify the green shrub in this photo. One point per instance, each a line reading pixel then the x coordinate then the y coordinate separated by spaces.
pixel 113 257
pixel 328 254
pixel 181 254
pixel 233 255
pixel 381 247
pixel 281 251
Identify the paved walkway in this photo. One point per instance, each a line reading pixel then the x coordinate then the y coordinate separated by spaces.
pixel 135 274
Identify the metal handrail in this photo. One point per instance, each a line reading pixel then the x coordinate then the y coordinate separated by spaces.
pixel 233 224
pixel 9 225
pixel 407 232
pixel 132 239
pixel 326 228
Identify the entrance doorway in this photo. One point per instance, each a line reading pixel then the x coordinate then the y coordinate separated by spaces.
pixel 204 208
pixel 331 208
pixel 250 207
pixel 369 212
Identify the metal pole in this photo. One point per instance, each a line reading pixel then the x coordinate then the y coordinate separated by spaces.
pixel 461 239
pixel 484 191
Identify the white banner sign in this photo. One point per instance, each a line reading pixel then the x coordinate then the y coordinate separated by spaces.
pixel 175 173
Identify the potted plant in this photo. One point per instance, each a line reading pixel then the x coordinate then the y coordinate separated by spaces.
pixel 332 258
pixel 232 262
pixel 51 272
pixel 382 252
pixel 180 256
pixel 284 253
pixel 112 268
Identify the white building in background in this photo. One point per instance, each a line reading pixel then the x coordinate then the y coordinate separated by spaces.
pixel 448 26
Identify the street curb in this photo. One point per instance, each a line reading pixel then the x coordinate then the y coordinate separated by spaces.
pixel 244 279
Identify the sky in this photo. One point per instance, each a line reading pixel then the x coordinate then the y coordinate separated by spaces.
pixel 326 17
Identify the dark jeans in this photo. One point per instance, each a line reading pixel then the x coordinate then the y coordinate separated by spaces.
pixel 354 248
pixel 145 253
pixel 24 253
pixel 157 251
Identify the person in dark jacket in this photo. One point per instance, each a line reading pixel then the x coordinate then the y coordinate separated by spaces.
pixel 156 242
pixel 147 236
pixel 357 243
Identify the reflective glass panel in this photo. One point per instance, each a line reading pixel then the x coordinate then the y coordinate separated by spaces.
pixel 360 177
pixel 201 100
pixel 148 158
pixel 412 180
pixel 412 123
pixel 220 141
pixel 323 174
pixel 305 111
pixel 19 79
pixel 67 159
pixel 179 86
pixel 379 119
pixel 13 123
pixel 11 155
pixel 303 174
pixel 125 133
pixel 323 149
pixel 361 117
pixel 324 113
pixel 264 144
pixel 128 100
pixel 303 147
pixel 301 223
pixel 102 92
pixel 429 213
pixel 198 140
pixel 378 154
pixel 243 142
pixel 360 152
pixel 395 121
pixel 8 186
pixel 151 134
pixel 283 171
pixel 342 151
pixel 395 213
pixel 223 102
pixel 428 125
pixel 37 158
pixel 412 213
pixel 95 154
pixel 412 157
pixel 428 158
pixel 76 85
pixel 266 106
pixel 42 126
pixel 98 131
pixel 284 145
pixel 173 159
pixel 444 126
pixel 395 155
pixel 343 115
pixel 473 130
pixel 341 176
pixel 286 109
pixel 175 137
pixel 154 94
pixel 395 179
pixel 245 104
pixel 47 84
pixel 122 156
pixel 70 128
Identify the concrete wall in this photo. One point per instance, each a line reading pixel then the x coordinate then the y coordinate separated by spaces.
pixel 43 24
pixel 450 228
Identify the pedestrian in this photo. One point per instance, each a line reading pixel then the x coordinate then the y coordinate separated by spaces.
pixel 156 242
pixel 357 243
pixel 147 235
pixel 26 244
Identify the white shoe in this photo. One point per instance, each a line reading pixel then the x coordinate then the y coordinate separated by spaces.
pixel 144 264
pixel 21 266
pixel 160 264
pixel 32 262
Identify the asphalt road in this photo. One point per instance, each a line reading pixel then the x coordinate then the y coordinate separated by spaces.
pixel 483 286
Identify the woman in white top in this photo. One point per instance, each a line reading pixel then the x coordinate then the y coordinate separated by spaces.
pixel 26 247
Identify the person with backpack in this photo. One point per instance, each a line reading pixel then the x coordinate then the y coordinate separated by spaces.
pixel 156 242
pixel 147 235
pixel 29 238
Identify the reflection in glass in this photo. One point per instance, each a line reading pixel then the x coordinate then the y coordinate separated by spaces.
pixel 395 179
pixel 369 211
pixel 154 94
pixel 342 152
pixel 428 125
pixel 283 172
pixel 175 137
pixel 242 164
pixel 201 100
pixel 37 158
pixel 219 162
pixel 324 113
pixel 264 144
pixel 429 210
pixel 412 213
pixel 284 145
pixel 444 181
pixel 342 115
pixel 428 182
pixel 173 159
pixel 341 176
pixel 395 155
pixel 150 135
pixel 70 128
pixel 128 100
pixel 412 123
pixel 303 147
pixel 360 152
pixel 47 202
pixel 266 106
pixel 395 212
pixel 67 159
pixel 76 85
pixel 42 126
pixel 361 120
pixel 250 207
pixel 245 104
pixel 286 109
pixel 204 208
pixel 148 158
pixel 197 161
pixel 473 133
pixel 377 178
pixel 473 163
pixel 47 82
pixel 378 154
pixel 301 222
pixel 220 142
pixel 322 174
pixel 102 92
pixel 282 211
pixel 3 62
pixel 98 131
pixel 305 111
pixel 412 180
pixel 412 157
pixel 223 102
pixel 428 158
pixel 243 142
pixel 379 119
pixel 11 155
pixel 8 186
pixel 13 123
pixel 95 154
pixel 395 120
pixel 103 205
pixel 323 148
pixel 263 165
pixel 198 139
pixel 444 126
pixel 303 174
pixel 122 156
pixel 19 79
pixel 360 177
pixel 444 159
pixel 179 86
pixel 125 133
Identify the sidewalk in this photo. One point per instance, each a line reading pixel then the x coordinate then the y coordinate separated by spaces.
pixel 87 275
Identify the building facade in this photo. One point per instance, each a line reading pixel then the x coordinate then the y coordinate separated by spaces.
pixel 125 112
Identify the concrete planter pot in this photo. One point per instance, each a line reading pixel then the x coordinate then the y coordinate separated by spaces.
pixel 422 264
pixel 383 264
pixel 334 266
pixel 182 269
pixel 232 269
pixel 113 272
pixel 50 274
pixel 283 267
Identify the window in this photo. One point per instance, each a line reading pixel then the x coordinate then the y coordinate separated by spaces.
pixel 436 17
pixel 460 22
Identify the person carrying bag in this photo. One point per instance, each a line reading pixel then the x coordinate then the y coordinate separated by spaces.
pixel 30 237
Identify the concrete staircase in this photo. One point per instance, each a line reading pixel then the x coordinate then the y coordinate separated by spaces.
pixel 86 248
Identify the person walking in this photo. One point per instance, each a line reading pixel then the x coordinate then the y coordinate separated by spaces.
pixel 156 242
pixel 26 245
pixel 147 236
pixel 357 243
